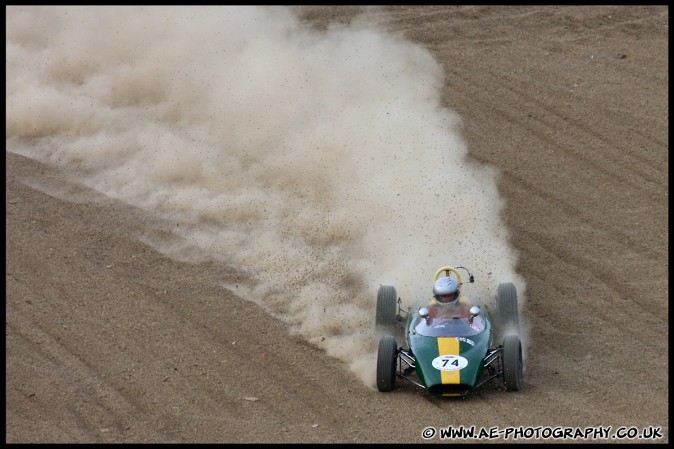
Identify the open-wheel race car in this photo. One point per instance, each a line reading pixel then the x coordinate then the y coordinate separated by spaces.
pixel 449 352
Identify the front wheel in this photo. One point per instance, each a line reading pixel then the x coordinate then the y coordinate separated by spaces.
pixel 512 363
pixel 506 307
pixel 386 363
pixel 387 301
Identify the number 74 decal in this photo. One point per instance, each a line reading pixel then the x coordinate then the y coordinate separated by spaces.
pixel 449 362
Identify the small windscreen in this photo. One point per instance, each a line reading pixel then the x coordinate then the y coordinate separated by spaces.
pixel 449 327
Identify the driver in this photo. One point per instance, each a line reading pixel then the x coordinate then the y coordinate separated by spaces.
pixel 447 298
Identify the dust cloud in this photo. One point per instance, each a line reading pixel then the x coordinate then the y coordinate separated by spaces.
pixel 319 161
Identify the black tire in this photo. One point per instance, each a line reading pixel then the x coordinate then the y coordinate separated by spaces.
pixel 506 307
pixel 387 303
pixel 513 373
pixel 387 356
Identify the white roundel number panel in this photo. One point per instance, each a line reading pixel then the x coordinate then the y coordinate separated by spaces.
pixel 449 362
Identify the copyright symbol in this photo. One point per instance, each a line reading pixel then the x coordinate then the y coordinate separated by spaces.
pixel 428 433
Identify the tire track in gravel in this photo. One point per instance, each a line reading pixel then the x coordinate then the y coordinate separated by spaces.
pixel 623 164
pixel 550 125
pixel 99 398
pixel 613 232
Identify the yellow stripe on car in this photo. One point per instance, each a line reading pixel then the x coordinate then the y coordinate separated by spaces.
pixel 449 346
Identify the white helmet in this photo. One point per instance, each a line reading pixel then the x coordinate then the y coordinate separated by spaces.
pixel 446 291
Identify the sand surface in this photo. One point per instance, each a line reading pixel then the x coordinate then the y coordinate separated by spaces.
pixel 108 340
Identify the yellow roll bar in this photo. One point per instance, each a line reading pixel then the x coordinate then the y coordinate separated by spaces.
pixel 448 270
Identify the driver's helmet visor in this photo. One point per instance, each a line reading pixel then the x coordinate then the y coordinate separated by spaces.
pixel 447 298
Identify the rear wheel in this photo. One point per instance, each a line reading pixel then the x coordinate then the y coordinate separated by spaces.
pixel 387 302
pixel 386 363
pixel 506 306
pixel 512 363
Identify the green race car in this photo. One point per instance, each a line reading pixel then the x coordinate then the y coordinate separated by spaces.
pixel 448 352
